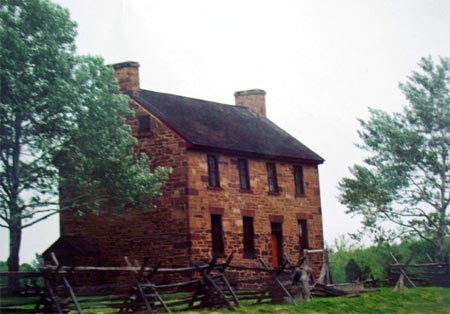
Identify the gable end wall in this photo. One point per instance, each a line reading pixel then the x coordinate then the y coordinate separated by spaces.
pixel 161 234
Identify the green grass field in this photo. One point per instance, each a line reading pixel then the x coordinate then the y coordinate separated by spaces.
pixel 386 301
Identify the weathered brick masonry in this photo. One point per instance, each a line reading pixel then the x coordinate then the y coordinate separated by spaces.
pixel 159 234
pixel 180 227
pixel 233 204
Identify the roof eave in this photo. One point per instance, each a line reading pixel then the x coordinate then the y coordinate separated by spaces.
pixel 225 151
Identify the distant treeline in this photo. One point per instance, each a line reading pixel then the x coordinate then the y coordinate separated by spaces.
pixel 350 262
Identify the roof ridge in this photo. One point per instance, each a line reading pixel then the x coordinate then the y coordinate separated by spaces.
pixel 196 99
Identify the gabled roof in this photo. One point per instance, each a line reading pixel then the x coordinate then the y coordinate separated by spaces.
pixel 216 127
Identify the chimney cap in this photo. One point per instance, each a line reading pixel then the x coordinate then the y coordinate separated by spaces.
pixel 250 92
pixel 126 64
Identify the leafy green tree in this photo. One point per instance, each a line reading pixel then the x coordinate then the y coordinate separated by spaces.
pixel 416 251
pixel 366 273
pixel 61 114
pixel 374 261
pixel 405 181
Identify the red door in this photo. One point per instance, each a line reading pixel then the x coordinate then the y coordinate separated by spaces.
pixel 274 241
pixel 277 243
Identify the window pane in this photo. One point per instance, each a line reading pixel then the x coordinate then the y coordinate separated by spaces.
pixel 217 235
pixel 303 234
pixel 272 177
pixel 298 177
pixel 213 171
pixel 143 124
pixel 243 174
pixel 249 236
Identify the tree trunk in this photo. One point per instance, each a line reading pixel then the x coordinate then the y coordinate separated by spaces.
pixel 15 220
pixel 440 254
pixel 15 238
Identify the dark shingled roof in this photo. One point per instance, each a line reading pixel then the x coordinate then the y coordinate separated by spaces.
pixel 70 245
pixel 223 128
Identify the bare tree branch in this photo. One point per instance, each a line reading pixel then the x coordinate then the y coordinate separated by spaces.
pixel 38 220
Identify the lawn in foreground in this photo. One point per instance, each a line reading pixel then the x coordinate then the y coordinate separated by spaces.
pixel 386 301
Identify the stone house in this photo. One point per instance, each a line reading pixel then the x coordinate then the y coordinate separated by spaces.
pixel 239 183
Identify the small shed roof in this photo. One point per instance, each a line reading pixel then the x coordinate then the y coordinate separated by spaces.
pixel 67 246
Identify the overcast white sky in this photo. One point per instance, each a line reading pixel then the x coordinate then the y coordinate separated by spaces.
pixel 322 64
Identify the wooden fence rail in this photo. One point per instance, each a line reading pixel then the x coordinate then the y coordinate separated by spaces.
pixel 427 274
pixel 206 286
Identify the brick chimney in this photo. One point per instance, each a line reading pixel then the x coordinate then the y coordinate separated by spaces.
pixel 127 73
pixel 254 99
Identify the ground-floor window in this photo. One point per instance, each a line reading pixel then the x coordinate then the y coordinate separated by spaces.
pixel 217 235
pixel 249 237
pixel 303 234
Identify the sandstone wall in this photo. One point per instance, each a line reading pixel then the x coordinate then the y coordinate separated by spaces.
pixel 228 201
pixel 180 227
pixel 160 234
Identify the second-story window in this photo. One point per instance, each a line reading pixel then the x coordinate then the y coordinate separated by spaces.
pixel 144 124
pixel 243 174
pixel 213 171
pixel 272 177
pixel 298 179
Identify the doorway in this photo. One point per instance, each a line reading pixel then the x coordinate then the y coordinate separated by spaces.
pixel 277 244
